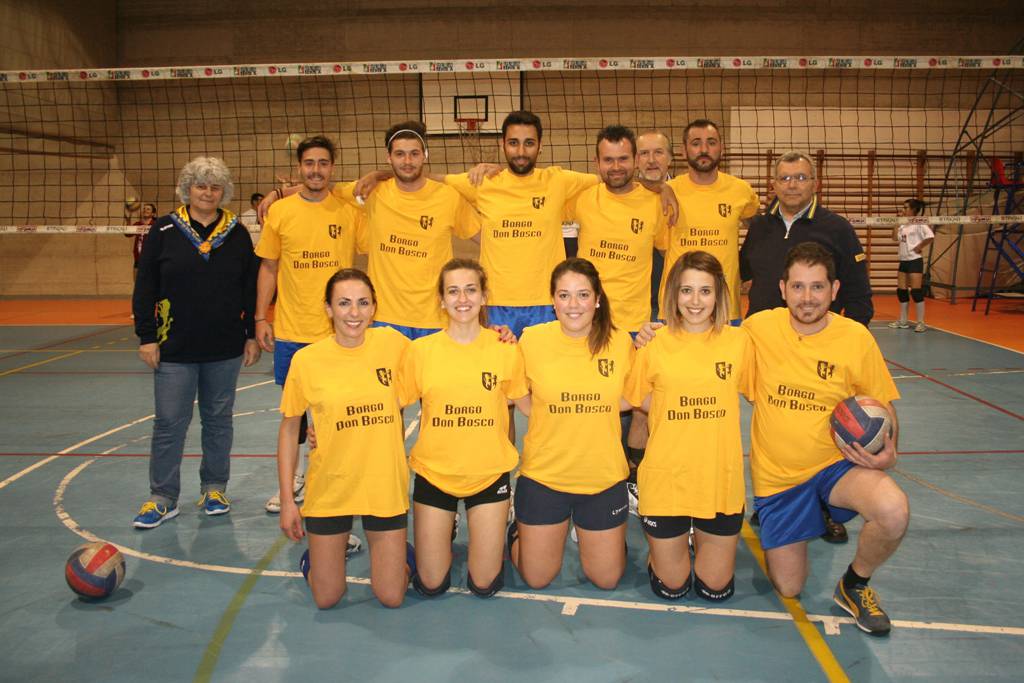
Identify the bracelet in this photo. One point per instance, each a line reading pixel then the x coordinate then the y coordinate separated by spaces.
pixel 259 320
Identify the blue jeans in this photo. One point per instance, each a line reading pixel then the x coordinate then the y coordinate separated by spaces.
pixel 175 386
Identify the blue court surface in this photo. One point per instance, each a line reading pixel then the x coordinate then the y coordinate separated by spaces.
pixel 220 598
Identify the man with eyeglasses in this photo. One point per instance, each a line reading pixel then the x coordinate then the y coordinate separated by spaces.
pixel 794 217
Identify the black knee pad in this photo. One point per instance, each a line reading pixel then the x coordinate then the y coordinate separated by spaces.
pixel 903 295
pixel 496 585
pixel 663 591
pixel 701 589
pixel 432 592
pixel 917 294
pixel 303 428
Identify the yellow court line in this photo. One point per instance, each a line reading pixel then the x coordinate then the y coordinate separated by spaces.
pixel 958 498
pixel 127 349
pixel 809 632
pixel 41 362
pixel 227 621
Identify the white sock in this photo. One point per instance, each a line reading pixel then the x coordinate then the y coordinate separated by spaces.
pixel 919 309
pixel 904 306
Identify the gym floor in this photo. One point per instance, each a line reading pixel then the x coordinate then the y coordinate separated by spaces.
pixel 221 598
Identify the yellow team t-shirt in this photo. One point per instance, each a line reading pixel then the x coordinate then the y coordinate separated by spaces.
pixel 617 235
pixel 798 381
pixel 309 241
pixel 408 237
pixel 573 443
pixel 359 466
pixel 521 242
pixel 710 222
pixel 463 442
pixel 694 460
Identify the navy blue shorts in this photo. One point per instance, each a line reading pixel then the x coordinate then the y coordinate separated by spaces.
pixel 283 352
pixel 518 318
pixel 538 504
pixel 794 515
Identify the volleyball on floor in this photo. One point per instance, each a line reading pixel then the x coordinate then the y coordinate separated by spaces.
pixel 95 570
pixel 860 419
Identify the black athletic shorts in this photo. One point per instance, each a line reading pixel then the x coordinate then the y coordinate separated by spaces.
pixel 915 266
pixel 673 527
pixel 342 524
pixel 425 493
pixel 538 504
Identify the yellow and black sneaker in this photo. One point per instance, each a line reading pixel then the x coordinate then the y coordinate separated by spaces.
pixel 861 602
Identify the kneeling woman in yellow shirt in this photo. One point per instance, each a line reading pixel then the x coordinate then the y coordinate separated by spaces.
pixel 573 464
pixel 688 378
pixel 350 380
pixel 464 377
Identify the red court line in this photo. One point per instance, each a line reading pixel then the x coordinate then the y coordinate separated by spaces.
pixel 954 389
pixel 56 343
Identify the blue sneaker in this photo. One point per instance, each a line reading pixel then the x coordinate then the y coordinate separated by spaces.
pixel 214 503
pixel 153 515
pixel 304 565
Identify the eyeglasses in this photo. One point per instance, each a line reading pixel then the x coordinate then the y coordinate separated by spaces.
pixel 799 177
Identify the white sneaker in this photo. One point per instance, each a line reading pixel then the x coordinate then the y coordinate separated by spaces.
pixel 355 544
pixel 273 505
pixel 899 324
pixel 633 494
pixel 920 327
pixel 572 533
pixel 455 526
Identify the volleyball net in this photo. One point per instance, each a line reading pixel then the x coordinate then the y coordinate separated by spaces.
pixel 80 149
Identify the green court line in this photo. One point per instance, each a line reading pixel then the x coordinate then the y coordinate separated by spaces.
pixel 227 621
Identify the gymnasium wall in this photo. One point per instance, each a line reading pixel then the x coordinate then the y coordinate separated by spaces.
pixel 190 32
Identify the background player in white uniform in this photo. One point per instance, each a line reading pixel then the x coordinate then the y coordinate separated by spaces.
pixel 913 239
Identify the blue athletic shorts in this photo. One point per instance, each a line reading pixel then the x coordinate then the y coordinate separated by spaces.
pixel 519 318
pixel 283 352
pixel 795 514
pixel 409 332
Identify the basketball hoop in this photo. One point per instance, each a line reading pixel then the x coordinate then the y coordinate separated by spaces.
pixel 469 137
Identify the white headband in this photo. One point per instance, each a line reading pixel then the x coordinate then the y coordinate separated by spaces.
pixel 406 130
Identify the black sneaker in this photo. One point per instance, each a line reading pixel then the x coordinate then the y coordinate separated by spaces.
pixel 835 532
pixel 862 604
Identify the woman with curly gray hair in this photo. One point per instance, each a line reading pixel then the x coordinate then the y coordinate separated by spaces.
pixel 193 303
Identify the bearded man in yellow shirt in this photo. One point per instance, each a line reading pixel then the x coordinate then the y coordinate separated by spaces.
pixel 806 361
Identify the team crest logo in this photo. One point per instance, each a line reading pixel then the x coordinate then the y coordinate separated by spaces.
pixel 606 366
pixel 334 230
pixel 723 370
pixel 384 376
pixel 538 202
pixel 489 380
pixel 426 221
pixel 636 225
pixel 725 210
pixel 825 369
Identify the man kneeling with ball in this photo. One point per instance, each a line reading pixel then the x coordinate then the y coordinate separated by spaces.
pixel 808 360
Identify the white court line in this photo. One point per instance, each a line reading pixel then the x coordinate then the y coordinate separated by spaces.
pixel 18 475
pixel 412 425
pixel 570 605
